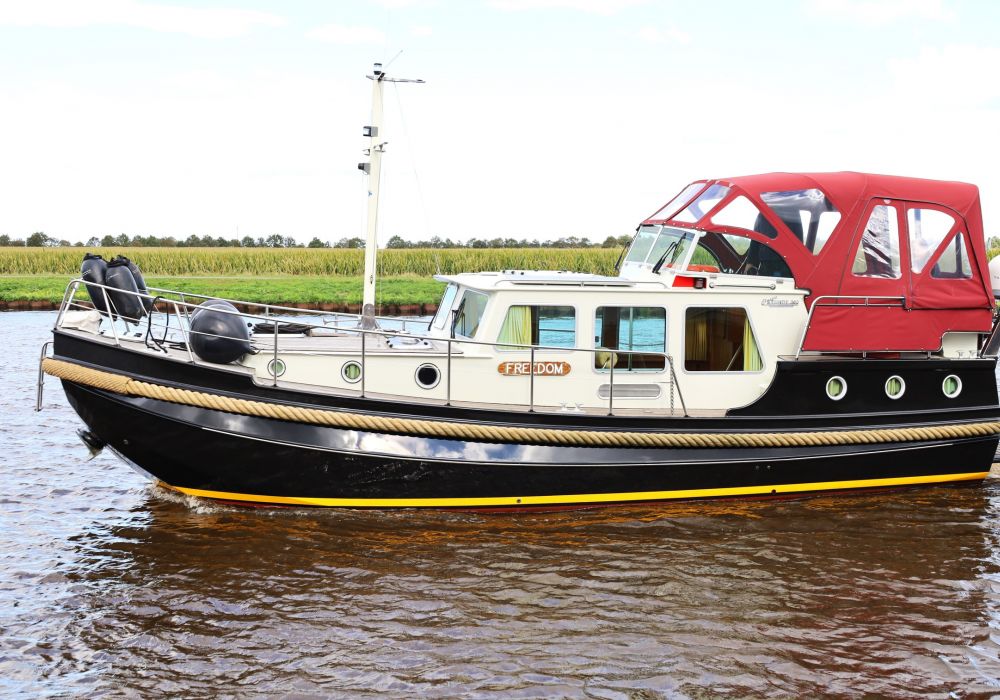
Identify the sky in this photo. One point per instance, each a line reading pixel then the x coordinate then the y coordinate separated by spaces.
pixel 539 118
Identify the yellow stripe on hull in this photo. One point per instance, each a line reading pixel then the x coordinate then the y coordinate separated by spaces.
pixel 582 498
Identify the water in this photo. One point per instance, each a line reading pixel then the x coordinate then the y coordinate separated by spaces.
pixel 110 587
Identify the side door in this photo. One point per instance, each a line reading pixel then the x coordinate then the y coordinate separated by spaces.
pixel 870 315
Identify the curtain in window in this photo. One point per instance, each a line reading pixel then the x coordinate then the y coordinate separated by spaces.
pixel 751 355
pixel 516 327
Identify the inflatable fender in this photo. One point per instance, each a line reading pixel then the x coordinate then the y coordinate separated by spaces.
pixel 94 269
pixel 128 306
pixel 217 336
pixel 140 283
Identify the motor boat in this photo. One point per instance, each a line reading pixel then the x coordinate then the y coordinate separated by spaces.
pixel 770 335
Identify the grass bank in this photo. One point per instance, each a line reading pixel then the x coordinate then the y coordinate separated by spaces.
pixel 400 294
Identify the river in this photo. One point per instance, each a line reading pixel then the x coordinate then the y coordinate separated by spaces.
pixel 112 587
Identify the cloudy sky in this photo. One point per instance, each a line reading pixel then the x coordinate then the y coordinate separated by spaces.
pixel 539 118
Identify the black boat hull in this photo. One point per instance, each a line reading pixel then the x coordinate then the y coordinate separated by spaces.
pixel 218 455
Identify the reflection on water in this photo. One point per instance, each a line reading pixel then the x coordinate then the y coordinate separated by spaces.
pixel 109 585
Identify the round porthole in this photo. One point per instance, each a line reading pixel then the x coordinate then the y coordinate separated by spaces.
pixel 427 376
pixel 894 386
pixel 276 368
pixel 351 372
pixel 836 388
pixel 951 386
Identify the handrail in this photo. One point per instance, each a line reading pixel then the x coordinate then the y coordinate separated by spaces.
pixel 186 330
pixel 817 300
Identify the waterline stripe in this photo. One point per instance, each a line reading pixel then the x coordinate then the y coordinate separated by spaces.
pixel 568 499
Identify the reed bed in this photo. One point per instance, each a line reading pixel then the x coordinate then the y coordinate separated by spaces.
pixel 333 262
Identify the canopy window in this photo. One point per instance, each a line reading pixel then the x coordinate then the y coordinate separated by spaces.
pixel 953 263
pixel 878 250
pixel 718 339
pixel 808 214
pixel 740 255
pixel 549 326
pixel 630 328
pixel 927 228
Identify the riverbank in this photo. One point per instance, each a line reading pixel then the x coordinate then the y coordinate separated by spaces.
pixel 403 294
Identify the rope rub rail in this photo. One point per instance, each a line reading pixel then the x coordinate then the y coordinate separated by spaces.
pixel 127 386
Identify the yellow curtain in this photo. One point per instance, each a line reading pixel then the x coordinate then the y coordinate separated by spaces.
pixel 516 327
pixel 696 337
pixel 751 355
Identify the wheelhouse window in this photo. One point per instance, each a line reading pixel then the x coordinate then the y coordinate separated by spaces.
pixel 552 326
pixel 720 339
pixel 808 214
pixel 878 251
pixel 631 328
pixel 661 246
pixel 470 313
pixel 444 308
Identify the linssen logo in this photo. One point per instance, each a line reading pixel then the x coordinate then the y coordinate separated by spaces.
pixel 542 369
pixel 775 301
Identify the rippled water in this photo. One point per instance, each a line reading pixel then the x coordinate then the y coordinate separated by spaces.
pixel 111 587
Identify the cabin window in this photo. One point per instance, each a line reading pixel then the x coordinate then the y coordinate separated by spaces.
pixel 954 260
pixel 878 251
pixel 470 313
pixel 718 339
pixel 630 328
pixel 703 204
pixel 444 308
pixel 552 326
pixel 808 214
pixel 927 228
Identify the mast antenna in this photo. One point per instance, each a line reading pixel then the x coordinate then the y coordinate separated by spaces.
pixel 373 169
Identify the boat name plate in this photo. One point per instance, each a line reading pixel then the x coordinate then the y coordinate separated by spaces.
pixel 547 368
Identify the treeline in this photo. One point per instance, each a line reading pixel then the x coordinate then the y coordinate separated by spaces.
pixel 41 240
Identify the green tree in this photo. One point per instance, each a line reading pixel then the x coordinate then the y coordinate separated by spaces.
pixel 39 239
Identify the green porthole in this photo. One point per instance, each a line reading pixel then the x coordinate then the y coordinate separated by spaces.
pixel 836 388
pixel 894 386
pixel 351 372
pixel 951 386
pixel 276 368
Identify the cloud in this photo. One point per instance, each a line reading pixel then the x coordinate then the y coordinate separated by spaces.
pixel 876 12
pixel 205 22
pixel 344 34
pixel 421 30
pixel 654 35
pixel 599 7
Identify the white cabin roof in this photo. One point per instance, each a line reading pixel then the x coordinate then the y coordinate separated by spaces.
pixel 488 281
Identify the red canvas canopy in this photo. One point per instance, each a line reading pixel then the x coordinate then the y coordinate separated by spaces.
pixel 915 244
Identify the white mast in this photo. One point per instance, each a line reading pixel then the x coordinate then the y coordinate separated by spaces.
pixel 374 170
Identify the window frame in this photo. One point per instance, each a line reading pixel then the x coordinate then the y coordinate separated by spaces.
pixel 461 306
pixel 753 329
pixel 507 347
pixel 666 341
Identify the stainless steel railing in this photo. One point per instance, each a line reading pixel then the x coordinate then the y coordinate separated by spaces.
pixel 180 309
